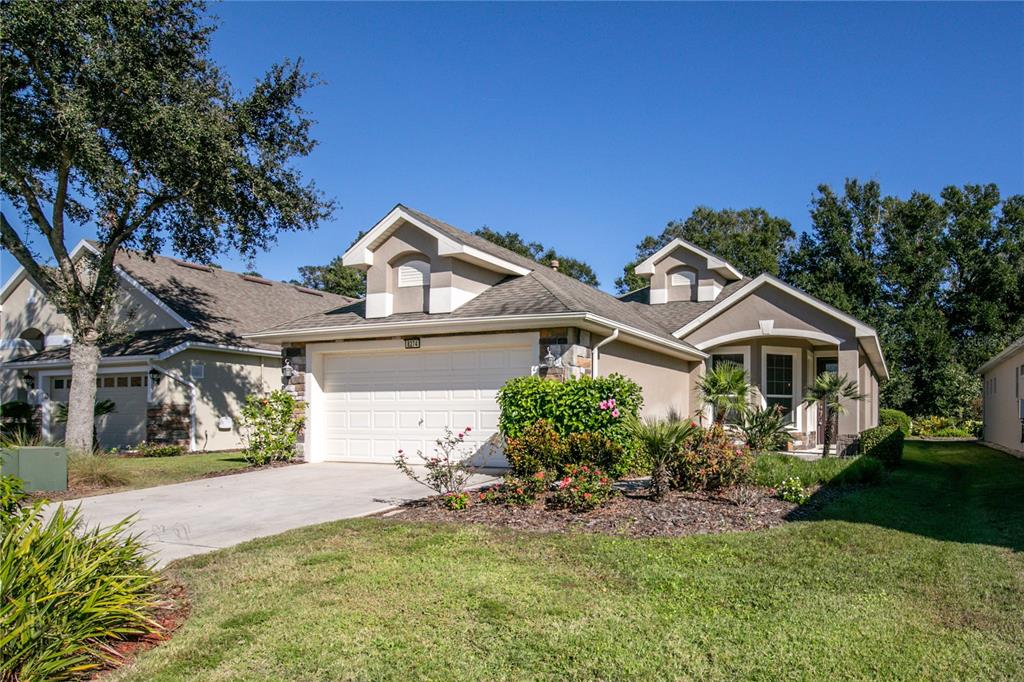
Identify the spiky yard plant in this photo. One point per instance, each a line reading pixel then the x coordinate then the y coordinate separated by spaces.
pixel 831 392
pixel 661 439
pixel 726 388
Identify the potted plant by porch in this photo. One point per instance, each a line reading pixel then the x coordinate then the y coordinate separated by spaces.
pixel 830 391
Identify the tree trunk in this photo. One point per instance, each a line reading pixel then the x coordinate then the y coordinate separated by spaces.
pixel 85 360
pixel 827 436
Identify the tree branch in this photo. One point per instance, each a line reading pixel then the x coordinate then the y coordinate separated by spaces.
pixel 11 241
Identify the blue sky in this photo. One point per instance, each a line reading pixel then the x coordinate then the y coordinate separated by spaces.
pixel 587 127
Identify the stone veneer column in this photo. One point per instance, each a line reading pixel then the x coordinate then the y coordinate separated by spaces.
pixel 295 354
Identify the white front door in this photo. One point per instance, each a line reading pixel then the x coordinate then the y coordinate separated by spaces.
pixel 376 403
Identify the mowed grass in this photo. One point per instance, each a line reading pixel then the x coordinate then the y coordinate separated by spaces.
pixel 920 577
pixel 129 473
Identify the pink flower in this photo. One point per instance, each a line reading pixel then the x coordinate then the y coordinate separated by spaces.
pixel 401 451
pixel 603 404
pixel 611 402
pixel 539 475
pixel 587 496
pixel 564 483
pixel 468 429
pixel 693 425
pixel 461 436
pixel 615 413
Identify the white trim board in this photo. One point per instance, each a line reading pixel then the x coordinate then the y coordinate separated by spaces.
pixel 776 333
pixel 713 262
pixel 360 254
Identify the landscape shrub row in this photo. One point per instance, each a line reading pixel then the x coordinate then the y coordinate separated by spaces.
pixel 586 405
pixel 884 443
pixel 945 427
pixel 67 590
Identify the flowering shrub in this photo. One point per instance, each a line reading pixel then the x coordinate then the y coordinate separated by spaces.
pixel 447 471
pixel 582 488
pixel 946 427
pixel 711 462
pixel 579 405
pixel 538 447
pixel 456 501
pixel 524 491
pixel 271 425
pixel 792 490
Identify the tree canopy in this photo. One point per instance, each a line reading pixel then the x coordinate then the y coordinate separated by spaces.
pixel 536 251
pixel 115 118
pixel 333 277
pixel 751 239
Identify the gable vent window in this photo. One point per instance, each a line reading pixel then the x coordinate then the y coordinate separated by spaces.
pixel 415 273
pixel 198 370
pixel 683 278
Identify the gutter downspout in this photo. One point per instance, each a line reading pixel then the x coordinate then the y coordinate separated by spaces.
pixel 597 352
pixel 192 390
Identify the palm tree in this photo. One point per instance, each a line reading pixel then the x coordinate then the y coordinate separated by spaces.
pixel 661 439
pixel 726 388
pixel 831 390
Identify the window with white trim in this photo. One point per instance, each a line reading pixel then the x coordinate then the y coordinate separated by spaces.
pixel 779 383
pixel 414 273
pixel 197 370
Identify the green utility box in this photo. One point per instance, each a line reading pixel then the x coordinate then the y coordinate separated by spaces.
pixel 40 468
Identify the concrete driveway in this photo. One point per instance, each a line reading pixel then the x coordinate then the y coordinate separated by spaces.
pixel 199 516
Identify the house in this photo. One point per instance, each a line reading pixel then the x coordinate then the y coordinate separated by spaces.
pixel 449 317
pixel 1003 399
pixel 178 368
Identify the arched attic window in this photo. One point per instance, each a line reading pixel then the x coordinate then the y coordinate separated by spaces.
pixel 414 273
pixel 33 337
pixel 685 281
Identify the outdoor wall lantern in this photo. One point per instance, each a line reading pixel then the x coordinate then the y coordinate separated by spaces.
pixel 154 377
pixel 287 371
pixel 549 359
pixel 30 381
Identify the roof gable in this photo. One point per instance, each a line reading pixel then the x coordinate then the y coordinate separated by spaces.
pixel 713 262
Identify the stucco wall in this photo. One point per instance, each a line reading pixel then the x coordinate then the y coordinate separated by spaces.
pixel 228 379
pixel 666 381
pixel 1000 412
pixel 769 303
pixel 683 259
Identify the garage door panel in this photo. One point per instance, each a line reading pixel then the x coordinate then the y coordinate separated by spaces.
pixel 378 404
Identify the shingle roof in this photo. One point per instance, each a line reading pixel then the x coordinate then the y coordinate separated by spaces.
pixel 220 305
pixel 674 314
pixel 543 290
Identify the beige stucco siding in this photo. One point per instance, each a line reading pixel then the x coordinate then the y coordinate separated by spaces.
pixel 769 303
pixel 228 379
pixel 665 381
pixel 1003 391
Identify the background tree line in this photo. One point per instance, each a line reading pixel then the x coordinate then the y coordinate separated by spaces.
pixel 940 278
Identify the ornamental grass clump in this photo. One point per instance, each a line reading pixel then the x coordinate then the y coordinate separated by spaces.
pixel 662 440
pixel 67 592
pixel 583 488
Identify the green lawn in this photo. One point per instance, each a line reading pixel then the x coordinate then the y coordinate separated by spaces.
pixel 146 472
pixel 920 577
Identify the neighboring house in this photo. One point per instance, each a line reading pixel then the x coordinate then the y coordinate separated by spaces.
pixel 1003 399
pixel 179 368
pixel 449 317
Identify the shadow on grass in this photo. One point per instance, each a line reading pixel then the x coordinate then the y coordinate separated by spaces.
pixel 951 491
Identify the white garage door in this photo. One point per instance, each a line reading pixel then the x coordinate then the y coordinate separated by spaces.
pixel 376 404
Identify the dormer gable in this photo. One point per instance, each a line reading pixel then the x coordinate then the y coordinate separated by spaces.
pixel 414 265
pixel 682 271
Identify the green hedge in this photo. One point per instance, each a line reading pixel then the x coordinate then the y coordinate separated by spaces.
pixel 572 406
pixel 884 443
pixel 887 417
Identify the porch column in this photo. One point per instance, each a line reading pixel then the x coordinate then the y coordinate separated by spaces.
pixel 849 367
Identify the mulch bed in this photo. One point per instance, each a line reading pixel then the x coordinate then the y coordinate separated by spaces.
pixel 170 616
pixel 632 513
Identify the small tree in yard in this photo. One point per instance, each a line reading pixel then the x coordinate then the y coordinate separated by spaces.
pixel 115 119
pixel 661 439
pixel 830 391
pixel 446 472
pixel 726 389
pixel 271 426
